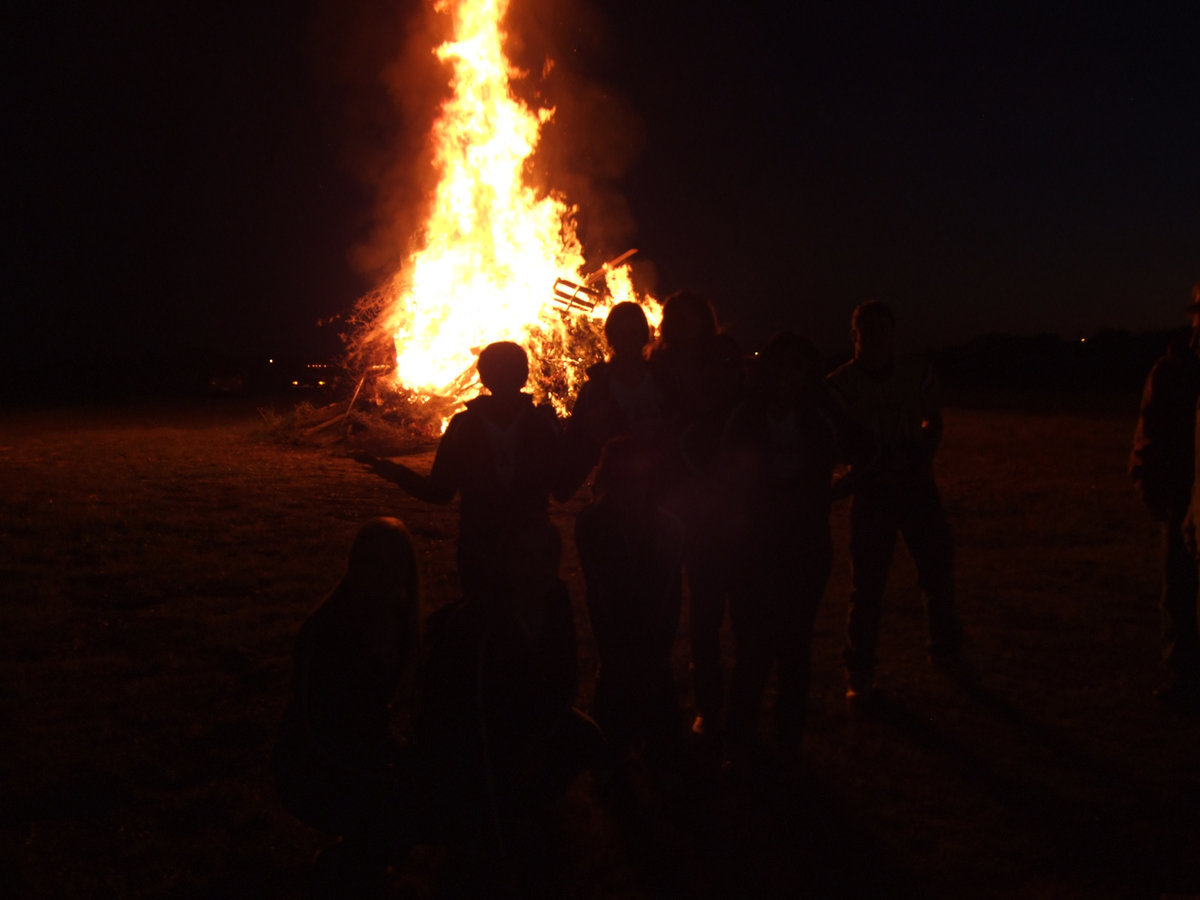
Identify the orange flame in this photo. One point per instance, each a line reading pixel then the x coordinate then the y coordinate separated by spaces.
pixel 492 248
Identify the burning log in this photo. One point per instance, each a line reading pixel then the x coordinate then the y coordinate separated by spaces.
pixel 570 295
pixel 371 370
pixel 584 297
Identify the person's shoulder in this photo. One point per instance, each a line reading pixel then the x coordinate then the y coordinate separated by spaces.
pixel 598 377
pixel 846 370
pixel 599 371
pixel 850 369
pixel 539 418
pixel 464 417
pixel 914 367
pixel 1180 357
pixel 845 379
pixel 325 628
pixel 1178 365
pixel 461 431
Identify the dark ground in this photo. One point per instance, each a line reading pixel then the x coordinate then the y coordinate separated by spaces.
pixel 158 561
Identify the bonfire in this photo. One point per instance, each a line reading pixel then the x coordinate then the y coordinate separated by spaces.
pixel 497 259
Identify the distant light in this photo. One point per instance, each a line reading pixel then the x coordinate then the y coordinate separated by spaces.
pixel 320 384
pixel 270 362
pixel 295 384
pixel 1083 340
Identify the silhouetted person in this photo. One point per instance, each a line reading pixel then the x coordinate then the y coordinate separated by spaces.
pixel 1162 465
pixel 701 372
pixel 1191 539
pixel 899 401
pixel 679 358
pixel 781 449
pixel 1191 522
pixel 496 719
pixel 631 551
pixel 501 456
pixel 337 766
pixel 622 396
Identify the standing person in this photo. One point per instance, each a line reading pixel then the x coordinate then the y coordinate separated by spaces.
pixel 701 372
pixel 1191 538
pixel 783 445
pixel 631 552
pixel 501 456
pixel 337 766
pixel 1162 466
pixel 496 720
pixel 622 396
pixel 899 401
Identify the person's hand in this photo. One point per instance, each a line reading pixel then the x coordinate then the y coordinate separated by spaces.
pixel 843 483
pixel 1189 535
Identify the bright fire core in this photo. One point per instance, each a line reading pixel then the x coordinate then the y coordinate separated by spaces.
pixel 491 248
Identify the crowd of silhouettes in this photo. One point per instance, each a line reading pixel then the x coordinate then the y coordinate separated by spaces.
pixel 712 476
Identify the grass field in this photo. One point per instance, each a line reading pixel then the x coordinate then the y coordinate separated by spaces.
pixel 157 563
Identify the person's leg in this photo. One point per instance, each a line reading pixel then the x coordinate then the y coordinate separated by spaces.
pixel 872 542
pixel 753 633
pixel 706 614
pixel 794 640
pixel 1178 604
pixel 661 726
pixel 613 697
pixel 378 817
pixel 930 541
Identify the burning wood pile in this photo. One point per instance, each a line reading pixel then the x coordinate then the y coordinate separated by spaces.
pixel 497 260
pixel 382 416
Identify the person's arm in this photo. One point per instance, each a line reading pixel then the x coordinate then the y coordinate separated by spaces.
pixel 439 486
pixel 1189 532
pixel 561 672
pixel 562 480
pixel 1149 463
pixel 410 481
pixel 931 415
pixel 580 447
pixel 857 447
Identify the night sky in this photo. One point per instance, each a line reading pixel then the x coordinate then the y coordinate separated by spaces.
pixel 218 177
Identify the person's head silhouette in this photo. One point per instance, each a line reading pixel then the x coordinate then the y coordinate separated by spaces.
pixel 503 368
pixel 626 330
pixel 379 589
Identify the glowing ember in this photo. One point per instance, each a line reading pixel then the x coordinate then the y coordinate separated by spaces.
pixel 492 249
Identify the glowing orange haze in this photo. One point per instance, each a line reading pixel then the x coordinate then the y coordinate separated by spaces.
pixel 491 248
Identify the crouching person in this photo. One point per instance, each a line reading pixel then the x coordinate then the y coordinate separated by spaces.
pixel 337 766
